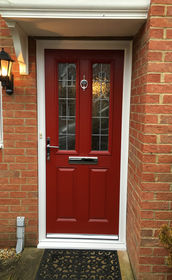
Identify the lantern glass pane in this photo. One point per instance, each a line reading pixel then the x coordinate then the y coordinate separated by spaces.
pixel 9 68
pixel 4 68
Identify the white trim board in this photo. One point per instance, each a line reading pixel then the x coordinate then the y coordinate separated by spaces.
pixel 84 243
pixel 75 9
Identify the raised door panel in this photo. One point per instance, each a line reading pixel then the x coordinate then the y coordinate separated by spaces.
pixel 66 194
pixel 98 195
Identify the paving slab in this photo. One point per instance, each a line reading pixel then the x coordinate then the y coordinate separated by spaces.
pixel 28 265
pixel 125 267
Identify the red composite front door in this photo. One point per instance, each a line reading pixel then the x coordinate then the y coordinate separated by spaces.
pixel 83 118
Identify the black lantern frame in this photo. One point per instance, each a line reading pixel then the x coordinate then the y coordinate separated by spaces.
pixel 6 76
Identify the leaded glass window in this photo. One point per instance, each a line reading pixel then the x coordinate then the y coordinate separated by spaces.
pixel 100 106
pixel 67 105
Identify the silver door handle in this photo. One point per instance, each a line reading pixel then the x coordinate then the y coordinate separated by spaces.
pixel 49 147
pixel 55 147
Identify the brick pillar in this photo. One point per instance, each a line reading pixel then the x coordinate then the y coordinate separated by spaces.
pixel 18 159
pixel 150 152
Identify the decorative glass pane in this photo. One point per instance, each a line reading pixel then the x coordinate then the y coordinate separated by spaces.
pixel 100 106
pixel 67 105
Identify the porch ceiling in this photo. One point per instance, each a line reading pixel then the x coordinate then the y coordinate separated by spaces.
pixel 78 27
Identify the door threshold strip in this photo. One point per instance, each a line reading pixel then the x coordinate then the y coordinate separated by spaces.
pixel 83 236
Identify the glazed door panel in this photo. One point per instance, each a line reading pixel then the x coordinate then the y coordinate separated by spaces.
pixel 83 118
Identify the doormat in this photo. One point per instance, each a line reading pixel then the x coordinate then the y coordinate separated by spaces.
pixel 79 265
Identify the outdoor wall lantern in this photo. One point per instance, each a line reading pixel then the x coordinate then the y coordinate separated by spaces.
pixel 6 77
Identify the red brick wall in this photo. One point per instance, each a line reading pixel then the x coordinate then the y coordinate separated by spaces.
pixel 149 179
pixel 18 159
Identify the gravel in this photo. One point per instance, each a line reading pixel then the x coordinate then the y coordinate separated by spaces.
pixel 8 263
pixel 8 254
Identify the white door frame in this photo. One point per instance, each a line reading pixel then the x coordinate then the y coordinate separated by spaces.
pixel 82 241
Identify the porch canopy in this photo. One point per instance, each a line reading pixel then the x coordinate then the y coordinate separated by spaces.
pixel 66 18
